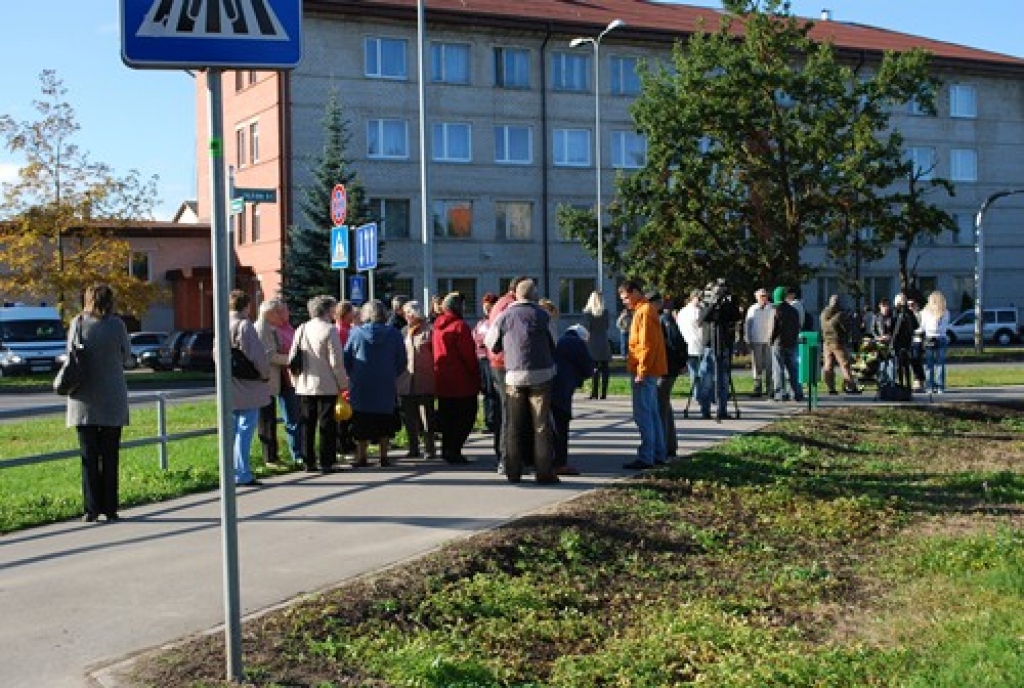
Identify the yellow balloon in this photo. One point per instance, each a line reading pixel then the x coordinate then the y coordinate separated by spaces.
pixel 342 409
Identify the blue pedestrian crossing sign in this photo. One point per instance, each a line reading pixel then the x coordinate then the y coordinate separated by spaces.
pixel 366 246
pixel 357 289
pixel 232 34
pixel 339 248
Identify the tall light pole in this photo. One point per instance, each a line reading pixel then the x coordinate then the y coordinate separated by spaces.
pixel 979 265
pixel 596 42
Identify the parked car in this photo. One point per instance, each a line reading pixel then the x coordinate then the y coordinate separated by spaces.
pixel 197 351
pixel 169 354
pixel 1001 326
pixel 143 343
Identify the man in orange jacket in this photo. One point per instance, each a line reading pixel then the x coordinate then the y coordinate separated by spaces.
pixel 646 361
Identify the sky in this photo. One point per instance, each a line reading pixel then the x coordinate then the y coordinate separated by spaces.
pixel 145 119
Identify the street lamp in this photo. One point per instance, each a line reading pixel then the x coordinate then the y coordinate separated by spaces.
pixel 596 42
pixel 979 265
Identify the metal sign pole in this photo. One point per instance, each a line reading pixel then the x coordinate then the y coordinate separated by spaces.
pixel 225 427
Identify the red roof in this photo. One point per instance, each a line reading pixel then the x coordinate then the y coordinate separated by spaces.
pixel 650 19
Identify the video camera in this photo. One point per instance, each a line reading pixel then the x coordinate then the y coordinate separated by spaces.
pixel 717 302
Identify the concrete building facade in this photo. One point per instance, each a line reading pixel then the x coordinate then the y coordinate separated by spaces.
pixel 509 110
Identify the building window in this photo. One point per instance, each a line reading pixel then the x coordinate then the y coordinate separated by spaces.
pixel 513 220
pixel 963 101
pixel 254 76
pixel 392 217
pixel 629 150
pixel 255 222
pixel 572 147
pixel 452 218
pixel 963 165
pixel 452 142
pixel 570 72
pixel 573 293
pixel 464 285
pixel 139 266
pixel 513 145
pixel 964 228
pixel 240 147
pixel 923 160
pixel 385 58
pixel 624 77
pixel 240 229
pixel 239 80
pixel 387 138
pixel 512 68
pixel 254 142
pixel 962 298
pixel 449 63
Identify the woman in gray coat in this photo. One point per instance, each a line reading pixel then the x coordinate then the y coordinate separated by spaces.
pixel 596 321
pixel 98 409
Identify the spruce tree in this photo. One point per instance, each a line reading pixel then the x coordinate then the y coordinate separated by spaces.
pixel 307 270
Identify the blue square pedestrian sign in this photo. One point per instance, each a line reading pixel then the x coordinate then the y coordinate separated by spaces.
pixel 195 34
pixel 339 248
pixel 366 246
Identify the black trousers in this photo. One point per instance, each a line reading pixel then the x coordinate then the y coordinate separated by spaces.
pixel 501 427
pixel 560 436
pixel 267 431
pixel 100 445
pixel 599 384
pixel 318 417
pixel 455 418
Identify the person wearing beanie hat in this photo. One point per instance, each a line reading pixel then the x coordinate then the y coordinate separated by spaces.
pixel 784 339
pixel 573 365
pixel 779 295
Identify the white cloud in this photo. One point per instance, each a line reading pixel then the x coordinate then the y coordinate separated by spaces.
pixel 8 172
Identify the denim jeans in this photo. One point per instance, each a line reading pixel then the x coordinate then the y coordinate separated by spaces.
pixel 709 375
pixel 935 359
pixel 785 366
pixel 648 420
pixel 245 427
pixel 288 403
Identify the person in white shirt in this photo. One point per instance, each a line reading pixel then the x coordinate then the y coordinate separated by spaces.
pixel 757 328
pixel 688 320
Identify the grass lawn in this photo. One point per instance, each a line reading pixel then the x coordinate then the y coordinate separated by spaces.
pixel 860 546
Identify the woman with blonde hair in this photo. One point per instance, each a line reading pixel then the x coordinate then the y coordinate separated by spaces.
pixel 596 320
pixel 935 321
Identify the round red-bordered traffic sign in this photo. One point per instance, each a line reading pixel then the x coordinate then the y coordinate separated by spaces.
pixel 339 204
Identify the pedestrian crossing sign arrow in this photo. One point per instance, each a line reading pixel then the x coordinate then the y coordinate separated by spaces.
pixel 211 33
pixel 339 248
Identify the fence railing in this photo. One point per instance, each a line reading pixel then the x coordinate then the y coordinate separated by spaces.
pixel 161 438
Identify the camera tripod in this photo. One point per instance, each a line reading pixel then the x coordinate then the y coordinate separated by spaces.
pixel 718 353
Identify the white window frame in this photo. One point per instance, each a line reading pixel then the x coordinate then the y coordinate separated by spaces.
pixel 963 101
pixel 571 72
pixel 381 127
pixel 240 149
pixel 503 149
pixel 506 223
pixel 562 142
pixel 506 77
pixel 444 135
pixel 254 142
pixel 439 54
pixel 379 207
pixel 963 165
pixel 924 161
pixel 625 79
pixel 375 66
pixel 622 154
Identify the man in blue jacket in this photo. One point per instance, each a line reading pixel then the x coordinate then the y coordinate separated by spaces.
pixel 573 365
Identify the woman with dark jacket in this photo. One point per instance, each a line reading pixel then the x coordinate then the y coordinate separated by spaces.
pixel 374 358
pixel 573 365
pixel 456 376
pixel 98 409
pixel 596 321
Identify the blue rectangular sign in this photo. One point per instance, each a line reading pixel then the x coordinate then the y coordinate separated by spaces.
pixel 357 289
pixel 366 246
pixel 339 248
pixel 194 34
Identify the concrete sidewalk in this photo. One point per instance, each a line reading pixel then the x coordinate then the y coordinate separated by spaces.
pixel 77 598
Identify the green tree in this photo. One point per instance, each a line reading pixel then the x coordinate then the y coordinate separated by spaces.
pixel 63 214
pixel 306 271
pixel 758 137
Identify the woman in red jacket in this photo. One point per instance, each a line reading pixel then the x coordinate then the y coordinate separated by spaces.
pixel 456 378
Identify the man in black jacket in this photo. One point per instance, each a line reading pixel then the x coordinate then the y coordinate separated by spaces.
pixel 675 353
pixel 784 339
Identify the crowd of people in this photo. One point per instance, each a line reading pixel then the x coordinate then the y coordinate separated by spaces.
pixel 426 369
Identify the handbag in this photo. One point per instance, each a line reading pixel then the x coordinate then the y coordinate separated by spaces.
pixel 297 361
pixel 72 372
pixel 242 367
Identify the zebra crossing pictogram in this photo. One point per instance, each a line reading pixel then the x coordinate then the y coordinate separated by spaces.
pixel 237 19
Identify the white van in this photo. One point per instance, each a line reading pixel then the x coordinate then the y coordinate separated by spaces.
pixel 32 339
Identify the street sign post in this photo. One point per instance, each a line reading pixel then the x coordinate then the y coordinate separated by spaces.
pixel 339 248
pixel 366 246
pixel 256 195
pixel 339 204
pixel 237 205
pixel 199 34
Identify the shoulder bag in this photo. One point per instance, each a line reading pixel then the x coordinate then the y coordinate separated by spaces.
pixel 241 367
pixel 296 362
pixel 72 373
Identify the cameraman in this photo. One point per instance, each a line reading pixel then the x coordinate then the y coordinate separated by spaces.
pixel 717 316
pixel 835 333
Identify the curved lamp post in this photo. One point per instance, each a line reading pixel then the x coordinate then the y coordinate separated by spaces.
pixel 596 42
pixel 979 265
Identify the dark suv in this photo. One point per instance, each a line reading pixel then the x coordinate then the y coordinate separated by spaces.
pixel 197 351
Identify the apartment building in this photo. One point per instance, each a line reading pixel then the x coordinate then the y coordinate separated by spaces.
pixel 510 135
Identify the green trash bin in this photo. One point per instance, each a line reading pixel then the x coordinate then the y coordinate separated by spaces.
pixel 808 352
